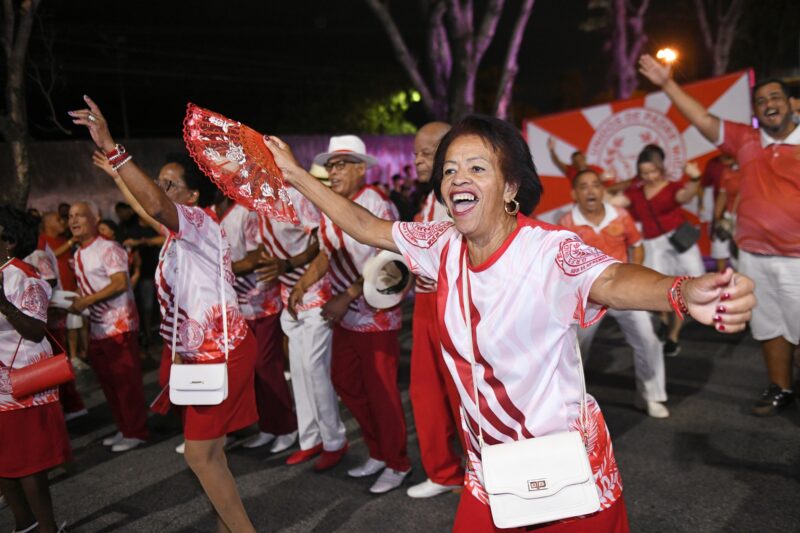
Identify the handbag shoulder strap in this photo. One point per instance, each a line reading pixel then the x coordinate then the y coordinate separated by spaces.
pixel 467 303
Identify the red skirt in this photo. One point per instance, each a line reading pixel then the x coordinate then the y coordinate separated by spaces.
pixel 206 422
pixel 33 439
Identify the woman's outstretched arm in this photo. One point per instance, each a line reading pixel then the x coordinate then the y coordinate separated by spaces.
pixel 147 193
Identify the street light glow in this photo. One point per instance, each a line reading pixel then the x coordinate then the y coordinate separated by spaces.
pixel 667 55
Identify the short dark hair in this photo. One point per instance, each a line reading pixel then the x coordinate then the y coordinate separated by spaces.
pixel 122 205
pixel 576 152
pixel 194 179
pixel 513 154
pixel 652 153
pixel 19 228
pixel 111 225
pixel 580 173
pixel 766 81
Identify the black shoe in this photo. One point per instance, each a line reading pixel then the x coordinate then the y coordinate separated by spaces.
pixel 772 400
pixel 671 348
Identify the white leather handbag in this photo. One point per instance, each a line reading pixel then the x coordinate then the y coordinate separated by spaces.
pixel 536 480
pixel 200 384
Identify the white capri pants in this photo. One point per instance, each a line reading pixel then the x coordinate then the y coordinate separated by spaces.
pixel 316 404
pixel 777 291
pixel 662 257
pixel 648 352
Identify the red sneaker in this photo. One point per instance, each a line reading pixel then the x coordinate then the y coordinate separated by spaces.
pixel 301 456
pixel 330 459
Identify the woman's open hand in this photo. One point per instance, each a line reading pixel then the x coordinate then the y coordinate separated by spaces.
pixel 93 119
pixel 724 300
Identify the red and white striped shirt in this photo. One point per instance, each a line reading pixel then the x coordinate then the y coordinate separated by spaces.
pixel 284 240
pixel 526 301
pixel 346 260
pixel 95 263
pixel 189 271
pixel 240 227
pixel 30 294
pixel 432 211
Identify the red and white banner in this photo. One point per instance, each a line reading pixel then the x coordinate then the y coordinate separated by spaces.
pixel 612 135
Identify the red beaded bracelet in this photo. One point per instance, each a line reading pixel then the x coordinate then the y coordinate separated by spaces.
pixel 675 297
pixel 118 156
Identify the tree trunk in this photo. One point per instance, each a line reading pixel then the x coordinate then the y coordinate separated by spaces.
pixel 511 65
pixel 16 35
pixel 627 40
pixel 719 46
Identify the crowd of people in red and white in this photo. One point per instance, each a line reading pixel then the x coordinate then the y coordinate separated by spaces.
pixel 217 282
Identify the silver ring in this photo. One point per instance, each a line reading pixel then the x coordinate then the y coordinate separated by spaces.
pixel 92 118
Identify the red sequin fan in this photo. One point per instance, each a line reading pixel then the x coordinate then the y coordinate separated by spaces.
pixel 236 159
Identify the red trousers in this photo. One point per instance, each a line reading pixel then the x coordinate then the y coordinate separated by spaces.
pixel 68 394
pixel 115 360
pixel 434 398
pixel 476 517
pixel 274 401
pixel 364 375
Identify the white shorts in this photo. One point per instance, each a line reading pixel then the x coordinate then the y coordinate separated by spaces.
pixel 720 249
pixel 777 279
pixel 662 257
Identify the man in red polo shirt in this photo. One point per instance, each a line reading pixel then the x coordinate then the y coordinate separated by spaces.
pixel 612 230
pixel 768 217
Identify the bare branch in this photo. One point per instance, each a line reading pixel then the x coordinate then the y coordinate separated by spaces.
pixel 381 10
pixel 702 20
pixel 511 64
pixel 20 48
pixel 488 27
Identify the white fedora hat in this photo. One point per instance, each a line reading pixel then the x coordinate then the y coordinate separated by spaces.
pixel 346 145
pixel 386 280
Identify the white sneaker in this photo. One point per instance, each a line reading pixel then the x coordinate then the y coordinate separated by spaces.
pixel 259 440
pixel 75 414
pixel 126 444
pixel 28 529
pixel 367 468
pixel 283 442
pixel 180 448
pixel 653 409
pixel 114 439
pixel 389 479
pixel 428 489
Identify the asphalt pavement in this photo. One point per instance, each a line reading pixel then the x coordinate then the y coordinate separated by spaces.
pixel 711 466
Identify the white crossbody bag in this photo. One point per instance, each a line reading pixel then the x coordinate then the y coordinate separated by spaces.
pixel 536 480
pixel 199 384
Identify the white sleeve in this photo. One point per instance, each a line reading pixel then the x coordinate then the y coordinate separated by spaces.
pixel 570 268
pixel 421 244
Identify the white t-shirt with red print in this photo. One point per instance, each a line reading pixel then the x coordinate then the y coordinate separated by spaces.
pixel 284 240
pixel 30 294
pixel 432 211
pixel 526 301
pixel 256 300
pixel 95 263
pixel 346 260
pixel 189 271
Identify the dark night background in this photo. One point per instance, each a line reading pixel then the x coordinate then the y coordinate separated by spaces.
pixel 300 66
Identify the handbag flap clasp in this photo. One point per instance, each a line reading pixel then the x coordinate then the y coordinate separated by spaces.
pixel 536 468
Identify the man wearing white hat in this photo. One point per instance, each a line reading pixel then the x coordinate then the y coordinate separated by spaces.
pixel 365 346
pixel 434 398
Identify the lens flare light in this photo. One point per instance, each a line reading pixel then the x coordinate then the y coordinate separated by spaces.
pixel 667 55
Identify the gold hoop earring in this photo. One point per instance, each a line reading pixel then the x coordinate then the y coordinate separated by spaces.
pixel 514 210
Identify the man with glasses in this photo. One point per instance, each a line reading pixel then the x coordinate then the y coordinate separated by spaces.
pixel 365 346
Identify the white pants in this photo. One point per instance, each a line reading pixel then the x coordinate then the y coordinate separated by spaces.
pixel 648 352
pixel 662 257
pixel 315 401
pixel 777 292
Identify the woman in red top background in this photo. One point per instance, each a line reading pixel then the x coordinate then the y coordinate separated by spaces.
pixel 656 202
